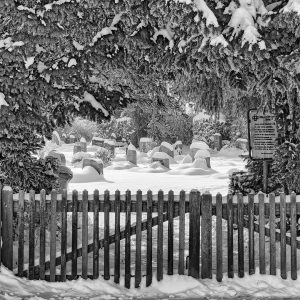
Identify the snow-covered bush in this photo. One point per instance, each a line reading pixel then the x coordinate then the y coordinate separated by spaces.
pixel 105 155
pixel 81 128
pixel 207 128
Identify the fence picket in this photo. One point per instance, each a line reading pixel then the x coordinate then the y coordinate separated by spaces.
pixel 194 234
pixel 63 235
pixel 272 235
pixel 282 236
pixel 170 232
pixel 181 232
pixel 127 239
pixel 206 237
pixel 96 235
pixel 149 239
pixel 293 237
pixel 219 237
pixel 53 227
pixel 230 236
pixel 85 198
pixel 31 234
pixel 117 237
pixel 1 203
pixel 138 245
pixel 74 232
pixel 262 261
pixel 21 234
pixel 251 233
pixel 106 235
pixel 160 238
pixel 42 234
pixel 241 271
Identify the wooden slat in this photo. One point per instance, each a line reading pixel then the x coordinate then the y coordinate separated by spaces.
pixel 106 235
pixel 53 227
pixel 127 240
pixel 181 232
pixel 219 238
pixel 262 260
pixel 283 236
pixel 194 234
pixel 170 232
pixel 230 236
pixel 42 235
pixel 160 237
pixel 7 228
pixel 251 233
pixel 85 197
pixel 206 236
pixel 241 271
pixel 138 243
pixel 63 235
pixel 272 235
pixel 21 234
pixel 31 234
pixel 293 237
pixel 96 236
pixel 74 232
pixel 149 239
pixel 117 237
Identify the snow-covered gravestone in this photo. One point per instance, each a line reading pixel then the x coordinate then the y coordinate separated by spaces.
pixel 97 141
pixel 217 141
pixel 77 148
pixel 162 157
pixel 146 144
pixel 167 148
pixel 97 164
pixel 195 146
pixel 72 138
pixel 242 144
pixel 59 156
pixel 56 138
pixel 110 145
pixel 83 144
pixel 205 154
pixel 178 148
pixel 64 176
pixel 131 154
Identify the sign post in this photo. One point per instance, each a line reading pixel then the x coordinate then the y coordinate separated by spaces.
pixel 262 132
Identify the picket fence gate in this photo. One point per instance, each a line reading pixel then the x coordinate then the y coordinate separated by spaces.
pixel 17 209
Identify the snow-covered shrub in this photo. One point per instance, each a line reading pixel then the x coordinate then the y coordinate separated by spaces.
pixel 205 129
pixel 48 147
pixel 81 128
pixel 105 155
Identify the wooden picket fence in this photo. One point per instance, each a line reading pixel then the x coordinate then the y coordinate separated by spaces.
pixel 238 212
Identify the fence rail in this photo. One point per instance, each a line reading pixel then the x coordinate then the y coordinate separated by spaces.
pixel 196 227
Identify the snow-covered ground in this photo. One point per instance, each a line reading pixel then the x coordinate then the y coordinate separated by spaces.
pixel 123 175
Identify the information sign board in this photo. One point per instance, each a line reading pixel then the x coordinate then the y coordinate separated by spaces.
pixel 262 130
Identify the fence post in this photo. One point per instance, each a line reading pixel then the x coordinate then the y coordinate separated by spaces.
pixel 7 227
pixel 194 235
pixel 206 238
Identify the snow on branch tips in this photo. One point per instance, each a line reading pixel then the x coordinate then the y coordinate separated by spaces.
pixel 9 44
pixel 207 13
pixel 87 97
pixel 292 6
pixel 2 100
pixel 166 33
pixel 107 30
pixel 243 20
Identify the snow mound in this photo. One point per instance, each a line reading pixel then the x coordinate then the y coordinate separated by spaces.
pixel 230 151
pixel 153 151
pixel 199 145
pixel 202 153
pixel 121 165
pixel 187 159
pixel 160 155
pixel 200 163
pixel 179 158
pixel 154 167
pixel 87 174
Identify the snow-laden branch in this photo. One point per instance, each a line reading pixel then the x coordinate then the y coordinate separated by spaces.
pixel 8 44
pixel 2 100
pixel 292 6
